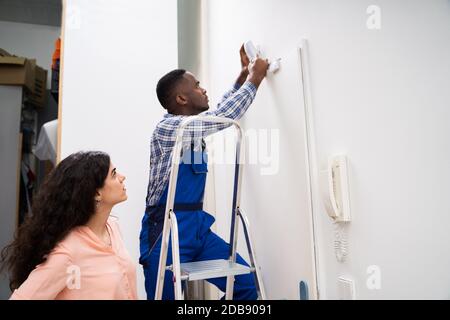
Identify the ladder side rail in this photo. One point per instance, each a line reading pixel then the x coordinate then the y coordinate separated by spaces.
pixel 252 254
pixel 176 268
pixel 162 259
pixel 236 204
pixel 169 208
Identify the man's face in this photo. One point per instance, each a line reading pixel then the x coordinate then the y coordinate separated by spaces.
pixel 196 96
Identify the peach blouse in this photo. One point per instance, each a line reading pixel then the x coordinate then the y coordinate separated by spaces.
pixel 83 267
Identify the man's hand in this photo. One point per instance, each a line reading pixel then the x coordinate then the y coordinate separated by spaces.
pixel 244 66
pixel 257 71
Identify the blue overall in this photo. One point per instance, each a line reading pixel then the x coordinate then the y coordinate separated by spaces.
pixel 196 240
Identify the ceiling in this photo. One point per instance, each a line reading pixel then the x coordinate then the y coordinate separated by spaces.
pixel 45 12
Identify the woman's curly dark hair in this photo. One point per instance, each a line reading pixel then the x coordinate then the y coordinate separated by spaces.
pixel 65 200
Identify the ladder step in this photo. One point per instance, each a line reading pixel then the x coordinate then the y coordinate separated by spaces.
pixel 208 269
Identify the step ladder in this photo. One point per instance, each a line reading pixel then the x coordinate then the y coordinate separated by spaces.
pixel 202 270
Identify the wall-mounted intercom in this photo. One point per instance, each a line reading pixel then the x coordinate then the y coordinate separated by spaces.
pixel 335 195
pixel 253 51
pixel 335 189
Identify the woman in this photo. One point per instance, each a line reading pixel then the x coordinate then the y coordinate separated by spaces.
pixel 70 248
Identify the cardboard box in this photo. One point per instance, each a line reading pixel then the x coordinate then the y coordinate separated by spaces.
pixel 39 96
pixel 17 71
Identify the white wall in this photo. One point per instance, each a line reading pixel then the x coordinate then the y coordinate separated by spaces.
pixel 381 97
pixel 114 54
pixel 275 189
pixel 31 41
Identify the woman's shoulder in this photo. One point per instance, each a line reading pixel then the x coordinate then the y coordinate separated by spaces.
pixel 71 243
pixel 64 244
pixel 61 254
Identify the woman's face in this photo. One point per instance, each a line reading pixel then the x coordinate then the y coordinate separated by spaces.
pixel 113 191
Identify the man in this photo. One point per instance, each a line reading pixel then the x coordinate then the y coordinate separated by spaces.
pixel 179 92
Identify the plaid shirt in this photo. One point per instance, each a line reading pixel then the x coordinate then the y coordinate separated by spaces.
pixel 233 105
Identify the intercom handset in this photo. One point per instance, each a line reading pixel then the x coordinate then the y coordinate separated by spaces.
pixel 335 189
pixel 253 52
pixel 335 194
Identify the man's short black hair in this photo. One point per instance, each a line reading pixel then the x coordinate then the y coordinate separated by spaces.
pixel 166 84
